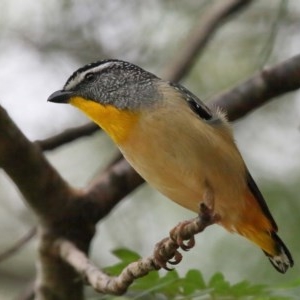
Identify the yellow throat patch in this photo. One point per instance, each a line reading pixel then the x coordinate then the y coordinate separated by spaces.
pixel 117 123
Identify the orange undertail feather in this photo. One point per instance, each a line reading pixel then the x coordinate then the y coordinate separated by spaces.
pixel 261 230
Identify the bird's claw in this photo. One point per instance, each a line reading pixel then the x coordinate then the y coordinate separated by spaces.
pixel 182 236
pixel 166 252
pixel 178 235
pixel 177 258
pixel 183 233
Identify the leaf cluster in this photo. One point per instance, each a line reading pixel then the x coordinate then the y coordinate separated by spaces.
pixel 170 285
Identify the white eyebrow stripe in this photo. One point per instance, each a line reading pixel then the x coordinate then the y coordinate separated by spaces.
pixel 80 76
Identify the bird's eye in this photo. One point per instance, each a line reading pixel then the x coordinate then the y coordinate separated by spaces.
pixel 89 76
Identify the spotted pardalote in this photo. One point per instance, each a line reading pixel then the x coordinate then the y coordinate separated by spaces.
pixel 178 145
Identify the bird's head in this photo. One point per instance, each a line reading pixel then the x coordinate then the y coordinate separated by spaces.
pixel 110 82
pixel 111 93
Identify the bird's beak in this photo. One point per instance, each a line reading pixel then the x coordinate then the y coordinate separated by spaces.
pixel 60 96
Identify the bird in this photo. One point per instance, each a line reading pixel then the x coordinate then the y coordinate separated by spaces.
pixel 180 146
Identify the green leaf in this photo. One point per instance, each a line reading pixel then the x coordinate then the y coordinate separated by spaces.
pixel 192 286
pixel 219 285
pixel 115 269
pixel 147 282
pixel 153 283
pixel 244 288
pixel 192 282
pixel 293 284
pixel 169 284
pixel 126 255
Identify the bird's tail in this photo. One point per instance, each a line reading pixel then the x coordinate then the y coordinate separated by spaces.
pixel 258 228
pixel 281 258
pixel 273 247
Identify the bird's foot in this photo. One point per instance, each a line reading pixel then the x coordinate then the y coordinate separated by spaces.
pixel 182 236
pixel 185 231
pixel 166 252
pixel 207 216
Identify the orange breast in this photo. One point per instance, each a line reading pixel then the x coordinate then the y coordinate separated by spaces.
pixel 117 123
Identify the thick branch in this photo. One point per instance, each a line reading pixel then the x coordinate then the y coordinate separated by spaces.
pixel 37 180
pixel 109 188
pixel 208 24
pixel 47 193
pixel 53 202
pixel 260 88
pixel 56 279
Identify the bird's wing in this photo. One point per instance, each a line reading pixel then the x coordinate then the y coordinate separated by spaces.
pixel 194 102
pixel 260 199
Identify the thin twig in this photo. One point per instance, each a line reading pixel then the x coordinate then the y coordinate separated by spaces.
pixel 208 24
pixel 269 43
pixel 100 281
pixel 67 136
pixel 118 285
pixel 18 245
pixel 28 293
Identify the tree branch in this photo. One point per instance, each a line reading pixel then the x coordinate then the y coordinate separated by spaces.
pixel 53 202
pixel 208 24
pixel 28 293
pixel 18 245
pixel 31 172
pixel 69 135
pixel 109 188
pixel 100 281
pixel 166 249
pixel 257 90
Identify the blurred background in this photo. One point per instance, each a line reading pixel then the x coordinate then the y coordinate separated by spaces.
pixel 43 42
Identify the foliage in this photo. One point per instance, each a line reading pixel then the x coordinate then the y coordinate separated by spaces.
pixel 192 285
